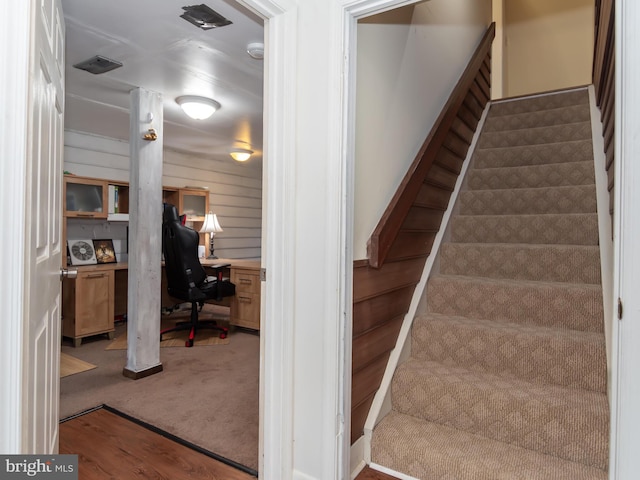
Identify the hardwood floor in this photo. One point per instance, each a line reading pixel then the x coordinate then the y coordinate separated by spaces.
pixel 371 474
pixel 110 446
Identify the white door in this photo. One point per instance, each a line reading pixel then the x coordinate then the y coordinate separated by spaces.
pixel 43 220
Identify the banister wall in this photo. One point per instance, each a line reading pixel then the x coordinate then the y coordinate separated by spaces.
pixel 384 284
pixel 604 81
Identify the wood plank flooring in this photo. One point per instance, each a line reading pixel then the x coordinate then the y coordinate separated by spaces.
pixel 371 474
pixel 110 446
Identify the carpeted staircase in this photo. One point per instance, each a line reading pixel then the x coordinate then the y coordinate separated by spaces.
pixel 507 373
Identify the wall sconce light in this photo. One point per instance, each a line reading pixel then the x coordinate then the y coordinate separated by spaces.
pixel 211 226
pixel 198 108
pixel 241 154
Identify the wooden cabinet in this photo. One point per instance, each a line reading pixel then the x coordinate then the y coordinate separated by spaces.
pixel 245 305
pixel 88 304
pixel 84 197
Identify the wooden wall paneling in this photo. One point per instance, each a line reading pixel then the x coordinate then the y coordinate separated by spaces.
pixel 468 117
pixel 433 196
pixel 364 384
pixel 370 282
pixel 375 311
pixel 366 381
pixel 456 144
pixel 449 160
pixel 483 86
pixel 463 130
pixel 485 71
pixel 442 177
pixel 421 218
pixel 359 415
pixel 472 104
pixel 379 340
pixel 409 244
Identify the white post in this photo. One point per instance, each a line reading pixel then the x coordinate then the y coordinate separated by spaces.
pixel 145 240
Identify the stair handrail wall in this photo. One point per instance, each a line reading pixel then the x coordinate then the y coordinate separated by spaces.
pixel 389 225
pixel 383 295
pixel 604 82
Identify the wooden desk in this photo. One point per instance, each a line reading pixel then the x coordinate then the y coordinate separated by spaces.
pixel 91 301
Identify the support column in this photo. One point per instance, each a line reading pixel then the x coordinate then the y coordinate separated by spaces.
pixel 145 240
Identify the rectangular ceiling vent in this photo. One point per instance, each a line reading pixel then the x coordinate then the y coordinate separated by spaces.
pixel 204 17
pixel 98 64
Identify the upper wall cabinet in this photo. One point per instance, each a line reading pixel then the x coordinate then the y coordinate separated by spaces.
pixel 95 198
pixel 85 197
pixel 194 203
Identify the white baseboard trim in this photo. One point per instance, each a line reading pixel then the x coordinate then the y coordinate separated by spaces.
pixel 393 473
pixel 357 457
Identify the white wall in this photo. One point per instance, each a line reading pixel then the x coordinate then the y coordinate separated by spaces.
pixel 548 45
pixel 235 188
pixel 409 60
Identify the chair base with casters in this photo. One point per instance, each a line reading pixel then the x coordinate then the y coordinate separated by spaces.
pixel 186 277
pixel 194 324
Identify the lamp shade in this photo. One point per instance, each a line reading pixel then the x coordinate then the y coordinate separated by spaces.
pixel 211 224
pixel 198 108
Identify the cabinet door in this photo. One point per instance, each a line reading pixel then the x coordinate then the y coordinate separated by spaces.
pixel 94 302
pixel 194 203
pixel 85 197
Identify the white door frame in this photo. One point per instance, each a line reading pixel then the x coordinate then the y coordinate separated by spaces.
pixel 625 424
pixel 15 48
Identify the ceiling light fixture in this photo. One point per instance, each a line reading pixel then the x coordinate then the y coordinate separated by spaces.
pixel 256 50
pixel 198 108
pixel 241 154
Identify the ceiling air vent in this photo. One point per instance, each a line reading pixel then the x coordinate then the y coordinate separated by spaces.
pixel 98 64
pixel 204 17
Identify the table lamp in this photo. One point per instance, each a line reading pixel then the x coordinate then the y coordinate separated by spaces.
pixel 211 226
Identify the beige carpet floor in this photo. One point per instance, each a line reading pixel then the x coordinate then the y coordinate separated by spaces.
pixel 206 395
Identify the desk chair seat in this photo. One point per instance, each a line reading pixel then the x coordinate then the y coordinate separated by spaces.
pixel 186 278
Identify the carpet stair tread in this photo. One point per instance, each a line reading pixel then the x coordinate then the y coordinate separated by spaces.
pixel 523 261
pixel 549 304
pixel 540 102
pixel 507 374
pixel 427 450
pixel 556 356
pixel 553 116
pixel 544 153
pixel 565 422
pixel 563 229
pixel 528 201
pixel 532 176
pixel 536 136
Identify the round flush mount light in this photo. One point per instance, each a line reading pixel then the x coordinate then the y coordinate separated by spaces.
pixel 198 108
pixel 240 154
pixel 256 50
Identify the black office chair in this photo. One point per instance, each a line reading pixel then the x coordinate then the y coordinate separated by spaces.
pixel 186 278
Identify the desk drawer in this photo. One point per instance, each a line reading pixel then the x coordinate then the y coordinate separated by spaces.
pixel 245 310
pixel 245 280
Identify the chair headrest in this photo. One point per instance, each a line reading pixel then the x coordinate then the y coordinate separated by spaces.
pixel 170 213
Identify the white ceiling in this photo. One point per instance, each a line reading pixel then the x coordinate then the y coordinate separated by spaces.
pixel 164 53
